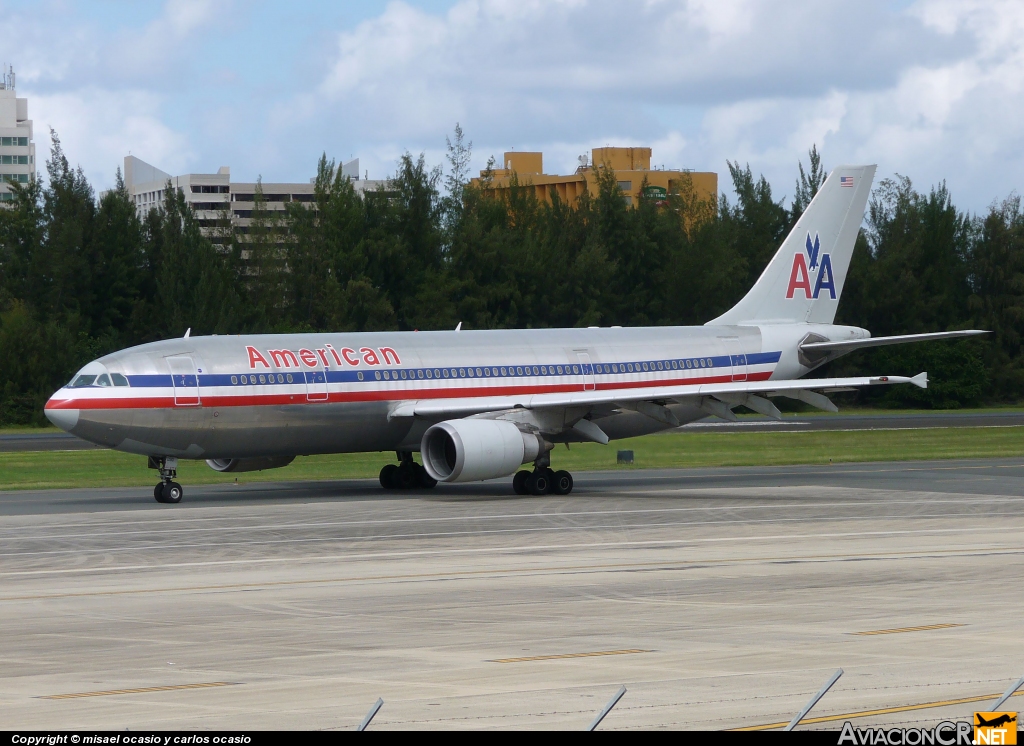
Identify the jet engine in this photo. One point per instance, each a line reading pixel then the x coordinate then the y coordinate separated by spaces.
pixel 249 464
pixel 471 450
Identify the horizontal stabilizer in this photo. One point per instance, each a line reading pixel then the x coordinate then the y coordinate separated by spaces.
pixel 855 344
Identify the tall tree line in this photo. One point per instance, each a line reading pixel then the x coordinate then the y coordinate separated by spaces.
pixel 80 277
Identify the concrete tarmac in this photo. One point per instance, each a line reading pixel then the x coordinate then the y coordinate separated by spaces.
pixel 721 598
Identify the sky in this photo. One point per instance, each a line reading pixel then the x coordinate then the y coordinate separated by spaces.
pixel 930 89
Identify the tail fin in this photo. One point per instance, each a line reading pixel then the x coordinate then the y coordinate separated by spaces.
pixel 803 281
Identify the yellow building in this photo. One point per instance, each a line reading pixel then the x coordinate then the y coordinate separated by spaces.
pixel 631 167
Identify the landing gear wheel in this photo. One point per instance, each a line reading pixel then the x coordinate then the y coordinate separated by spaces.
pixel 405 477
pixel 424 480
pixel 561 484
pixel 539 482
pixel 158 492
pixel 389 477
pixel 172 493
pixel 519 483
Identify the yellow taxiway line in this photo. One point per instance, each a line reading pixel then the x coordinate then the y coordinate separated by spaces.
pixel 569 655
pixel 140 690
pixel 907 629
pixel 882 711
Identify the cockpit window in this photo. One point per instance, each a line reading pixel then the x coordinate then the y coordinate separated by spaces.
pixel 103 380
pixel 118 379
pixel 83 381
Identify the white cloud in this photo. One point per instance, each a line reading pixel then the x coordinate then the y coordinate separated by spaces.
pixel 95 126
pixel 771 77
pixel 932 90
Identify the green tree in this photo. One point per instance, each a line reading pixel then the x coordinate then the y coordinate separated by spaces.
pixel 195 288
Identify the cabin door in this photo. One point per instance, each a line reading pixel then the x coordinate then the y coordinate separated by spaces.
pixel 316 385
pixel 184 381
pixel 737 359
pixel 587 370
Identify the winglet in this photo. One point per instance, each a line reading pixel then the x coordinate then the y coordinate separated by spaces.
pixel 188 332
pixel 920 380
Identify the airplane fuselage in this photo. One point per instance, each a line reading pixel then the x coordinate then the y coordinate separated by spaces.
pixel 266 395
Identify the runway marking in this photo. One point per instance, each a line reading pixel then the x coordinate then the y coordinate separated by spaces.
pixel 908 629
pixel 488 532
pixel 563 656
pixel 708 491
pixel 881 711
pixel 664 565
pixel 654 543
pixel 140 690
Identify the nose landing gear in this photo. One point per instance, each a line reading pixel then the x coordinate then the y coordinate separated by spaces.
pixel 167 490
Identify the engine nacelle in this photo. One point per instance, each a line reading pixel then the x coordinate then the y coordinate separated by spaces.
pixel 472 450
pixel 249 464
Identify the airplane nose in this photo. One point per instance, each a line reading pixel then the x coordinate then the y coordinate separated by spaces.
pixel 65 419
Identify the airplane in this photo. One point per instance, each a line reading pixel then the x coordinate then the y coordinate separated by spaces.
pixel 478 405
pixel 1002 719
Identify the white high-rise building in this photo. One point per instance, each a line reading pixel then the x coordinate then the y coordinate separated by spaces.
pixel 211 194
pixel 17 150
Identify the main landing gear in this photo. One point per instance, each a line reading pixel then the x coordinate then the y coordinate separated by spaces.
pixel 542 480
pixel 167 491
pixel 406 475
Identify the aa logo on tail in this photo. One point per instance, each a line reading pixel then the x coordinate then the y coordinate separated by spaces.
pixel 803 268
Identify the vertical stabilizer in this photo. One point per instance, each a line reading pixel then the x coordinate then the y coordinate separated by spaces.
pixel 803 281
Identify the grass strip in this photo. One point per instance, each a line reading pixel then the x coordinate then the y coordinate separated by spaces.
pixel 26 470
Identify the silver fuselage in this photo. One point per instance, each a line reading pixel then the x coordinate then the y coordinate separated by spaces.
pixel 294 394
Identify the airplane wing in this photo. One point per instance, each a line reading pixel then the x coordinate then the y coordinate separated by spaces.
pixel 739 392
pixel 856 344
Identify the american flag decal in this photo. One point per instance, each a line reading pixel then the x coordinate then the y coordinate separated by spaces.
pixel 846 181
